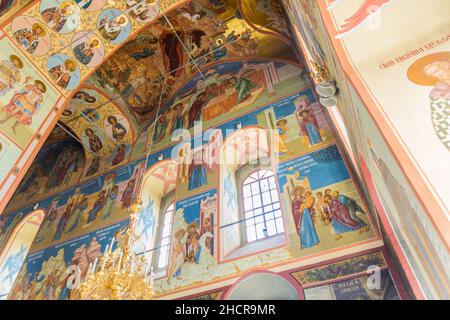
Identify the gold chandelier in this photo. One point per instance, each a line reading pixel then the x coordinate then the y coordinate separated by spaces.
pixel 120 274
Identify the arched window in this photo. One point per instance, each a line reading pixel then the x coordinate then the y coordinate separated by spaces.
pixel 164 235
pixel 13 254
pixel 261 206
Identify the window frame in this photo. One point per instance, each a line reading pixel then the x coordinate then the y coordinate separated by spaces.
pixel 242 212
pixel 166 202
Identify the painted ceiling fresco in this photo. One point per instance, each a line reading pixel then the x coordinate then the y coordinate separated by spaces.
pixel 147 70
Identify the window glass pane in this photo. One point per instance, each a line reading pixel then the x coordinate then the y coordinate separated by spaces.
pixel 166 231
pixel 277 213
pixel 274 195
pixel 256 201
pixel 165 241
pixel 268 208
pixel 280 227
pixel 247 192
pixel 250 222
pixel 249 214
pixel 276 205
pixel 167 217
pixel 266 198
pixel 255 188
pixel 258 211
pixel 271 229
pixel 264 185
pixel 162 261
pixel 170 208
pixel 269 216
pixel 248 204
pixel 272 183
pixel 251 235
pixel 260 231
pixel 259 219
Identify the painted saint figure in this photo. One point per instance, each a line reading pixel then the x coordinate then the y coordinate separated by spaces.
pixel 57 17
pixel 195 110
pixel 10 73
pixel 85 51
pixel 98 205
pixel 29 39
pixel 62 74
pixel 197 170
pixel 309 127
pixel 95 144
pixel 160 127
pixel 127 195
pixel 193 247
pixel 280 136
pixel 118 130
pixel 110 29
pixel 24 104
pixel 177 118
pixel 302 206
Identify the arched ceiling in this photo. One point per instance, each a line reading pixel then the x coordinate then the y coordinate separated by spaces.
pixel 146 71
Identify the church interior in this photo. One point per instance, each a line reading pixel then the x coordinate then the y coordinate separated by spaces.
pixel 224 150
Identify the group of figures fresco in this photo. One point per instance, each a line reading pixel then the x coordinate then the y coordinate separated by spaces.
pixel 204 34
pixel 86 206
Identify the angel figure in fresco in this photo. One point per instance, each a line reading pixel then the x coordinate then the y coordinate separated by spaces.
pixel 95 144
pixel 13 264
pixel 110 29
pixel 178 257
pixel 62 74
pixel 147 220
pixel 309 127
pixel 10 73
pixel 197 170
pixel 98 206
pixel 302 210
pixel 29 39
pixel 85 51
pixel 24 104
pixel 118 130
pixel 57 17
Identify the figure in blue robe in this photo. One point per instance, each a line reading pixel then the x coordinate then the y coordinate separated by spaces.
pixel 310 127
pixel 304 223
pixel 197 176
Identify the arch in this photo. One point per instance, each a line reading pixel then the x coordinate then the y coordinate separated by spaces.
pixel 248 146
pixel 264 285
pixel 159 183
pixel 16 249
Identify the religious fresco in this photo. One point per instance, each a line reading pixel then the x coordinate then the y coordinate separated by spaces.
pixel 400 76
pixel 8 8
pixel 204 35
pixel 14 251
pixel 106 132
pixel 24 95
pixel 52 273
pixel 312 180
pixel 365 277
pixel 57 166
pixel 85 207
